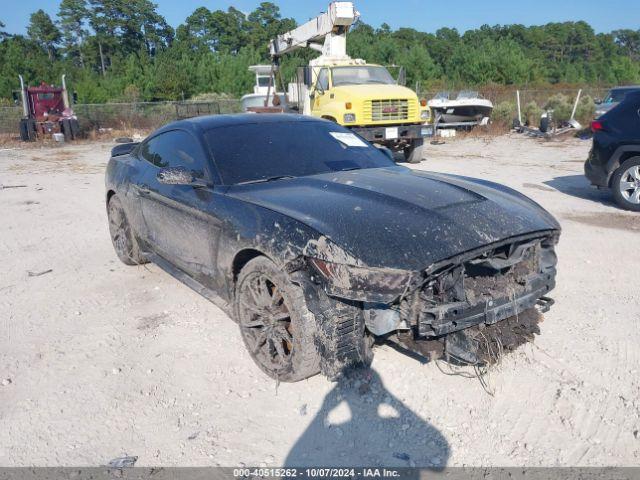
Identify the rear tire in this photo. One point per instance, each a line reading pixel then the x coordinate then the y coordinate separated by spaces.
pixel 413 153
pixel 277 328
pixel 625 184
pixel 122 235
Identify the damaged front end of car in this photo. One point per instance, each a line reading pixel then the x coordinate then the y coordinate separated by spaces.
pixel 464 308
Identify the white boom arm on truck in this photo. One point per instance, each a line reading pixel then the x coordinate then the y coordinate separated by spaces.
pixel 331 26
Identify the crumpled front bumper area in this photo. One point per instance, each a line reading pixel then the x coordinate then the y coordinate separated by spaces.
pixel 437 320
pixel 499 284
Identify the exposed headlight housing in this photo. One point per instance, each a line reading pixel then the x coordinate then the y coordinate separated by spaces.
pixel 361 283
pixel 349 117
pixel 425 114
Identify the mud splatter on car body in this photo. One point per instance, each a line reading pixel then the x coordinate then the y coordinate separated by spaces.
pixel 380 249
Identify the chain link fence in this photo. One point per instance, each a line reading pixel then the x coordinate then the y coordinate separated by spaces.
pixel 143 115
pixel 150 115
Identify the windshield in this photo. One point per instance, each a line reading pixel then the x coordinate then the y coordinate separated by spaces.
pixel 264 81
pixel 258 101
pixel 361 76
pixel 258 151
pixel 468 94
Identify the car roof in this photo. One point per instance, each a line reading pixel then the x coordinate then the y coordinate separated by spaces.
pixel 628 87
pixel 216 121
pixel 633 96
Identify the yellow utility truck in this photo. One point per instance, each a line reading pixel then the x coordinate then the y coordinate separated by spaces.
pixel 351 92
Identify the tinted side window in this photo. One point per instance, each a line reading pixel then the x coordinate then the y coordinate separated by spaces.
pixel 175 149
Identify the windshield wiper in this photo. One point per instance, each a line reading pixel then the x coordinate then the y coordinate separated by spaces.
pixel 265 180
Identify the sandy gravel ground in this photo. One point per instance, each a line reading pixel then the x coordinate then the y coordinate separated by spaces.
pixel 99 360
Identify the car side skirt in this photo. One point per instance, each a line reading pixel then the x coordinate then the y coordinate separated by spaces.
pixel 193 284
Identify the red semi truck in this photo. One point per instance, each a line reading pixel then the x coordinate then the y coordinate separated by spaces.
pixel 46 110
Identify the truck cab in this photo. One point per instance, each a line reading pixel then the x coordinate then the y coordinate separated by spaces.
pixel 365 98
pixel 351 92
pixel 46 110
pixel 355 94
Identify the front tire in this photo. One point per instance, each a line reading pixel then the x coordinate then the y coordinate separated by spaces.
pixel 413 153
pixel 625 184
pixel 277 328
pixel 122 235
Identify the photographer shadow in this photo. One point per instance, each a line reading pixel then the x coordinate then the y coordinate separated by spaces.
pixel 361 424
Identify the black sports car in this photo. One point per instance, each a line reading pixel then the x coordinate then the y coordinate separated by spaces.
pixel 316 243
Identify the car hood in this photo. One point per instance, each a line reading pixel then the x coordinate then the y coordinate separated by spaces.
pixel 400 218
pixel 374 91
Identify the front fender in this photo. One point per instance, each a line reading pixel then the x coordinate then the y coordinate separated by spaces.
pixel 333 110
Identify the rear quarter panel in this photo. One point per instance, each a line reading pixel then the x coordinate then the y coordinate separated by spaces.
pixel 123 171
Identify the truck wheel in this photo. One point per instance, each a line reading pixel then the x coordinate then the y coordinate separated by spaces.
pixel 122 235
pixel 24 130
pixel 625 184
pixel 65 126
pixel 413 153
pixel 75 129
pixel 32 128
pixel 276 326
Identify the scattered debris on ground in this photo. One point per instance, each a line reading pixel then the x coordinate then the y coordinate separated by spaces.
pixel 39 274
pixel 580 373
pixel 123 462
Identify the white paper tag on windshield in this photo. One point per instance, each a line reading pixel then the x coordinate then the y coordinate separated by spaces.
pixel 349 139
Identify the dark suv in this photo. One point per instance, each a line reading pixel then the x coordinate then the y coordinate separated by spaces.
pixel 614 160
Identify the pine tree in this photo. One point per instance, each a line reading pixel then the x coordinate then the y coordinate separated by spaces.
pixel 42 30
pixel 73 17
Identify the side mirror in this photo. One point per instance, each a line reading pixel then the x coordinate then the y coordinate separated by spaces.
pixel 597 101
pixel 16 97
pixel 75 97
pixel 175 176
pixel 179 176
pixel 307 76
pixel 402 77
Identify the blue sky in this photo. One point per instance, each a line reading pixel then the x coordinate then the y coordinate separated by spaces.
pixel 425 15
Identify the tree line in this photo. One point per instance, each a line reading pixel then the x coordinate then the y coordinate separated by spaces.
pixel 124 50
